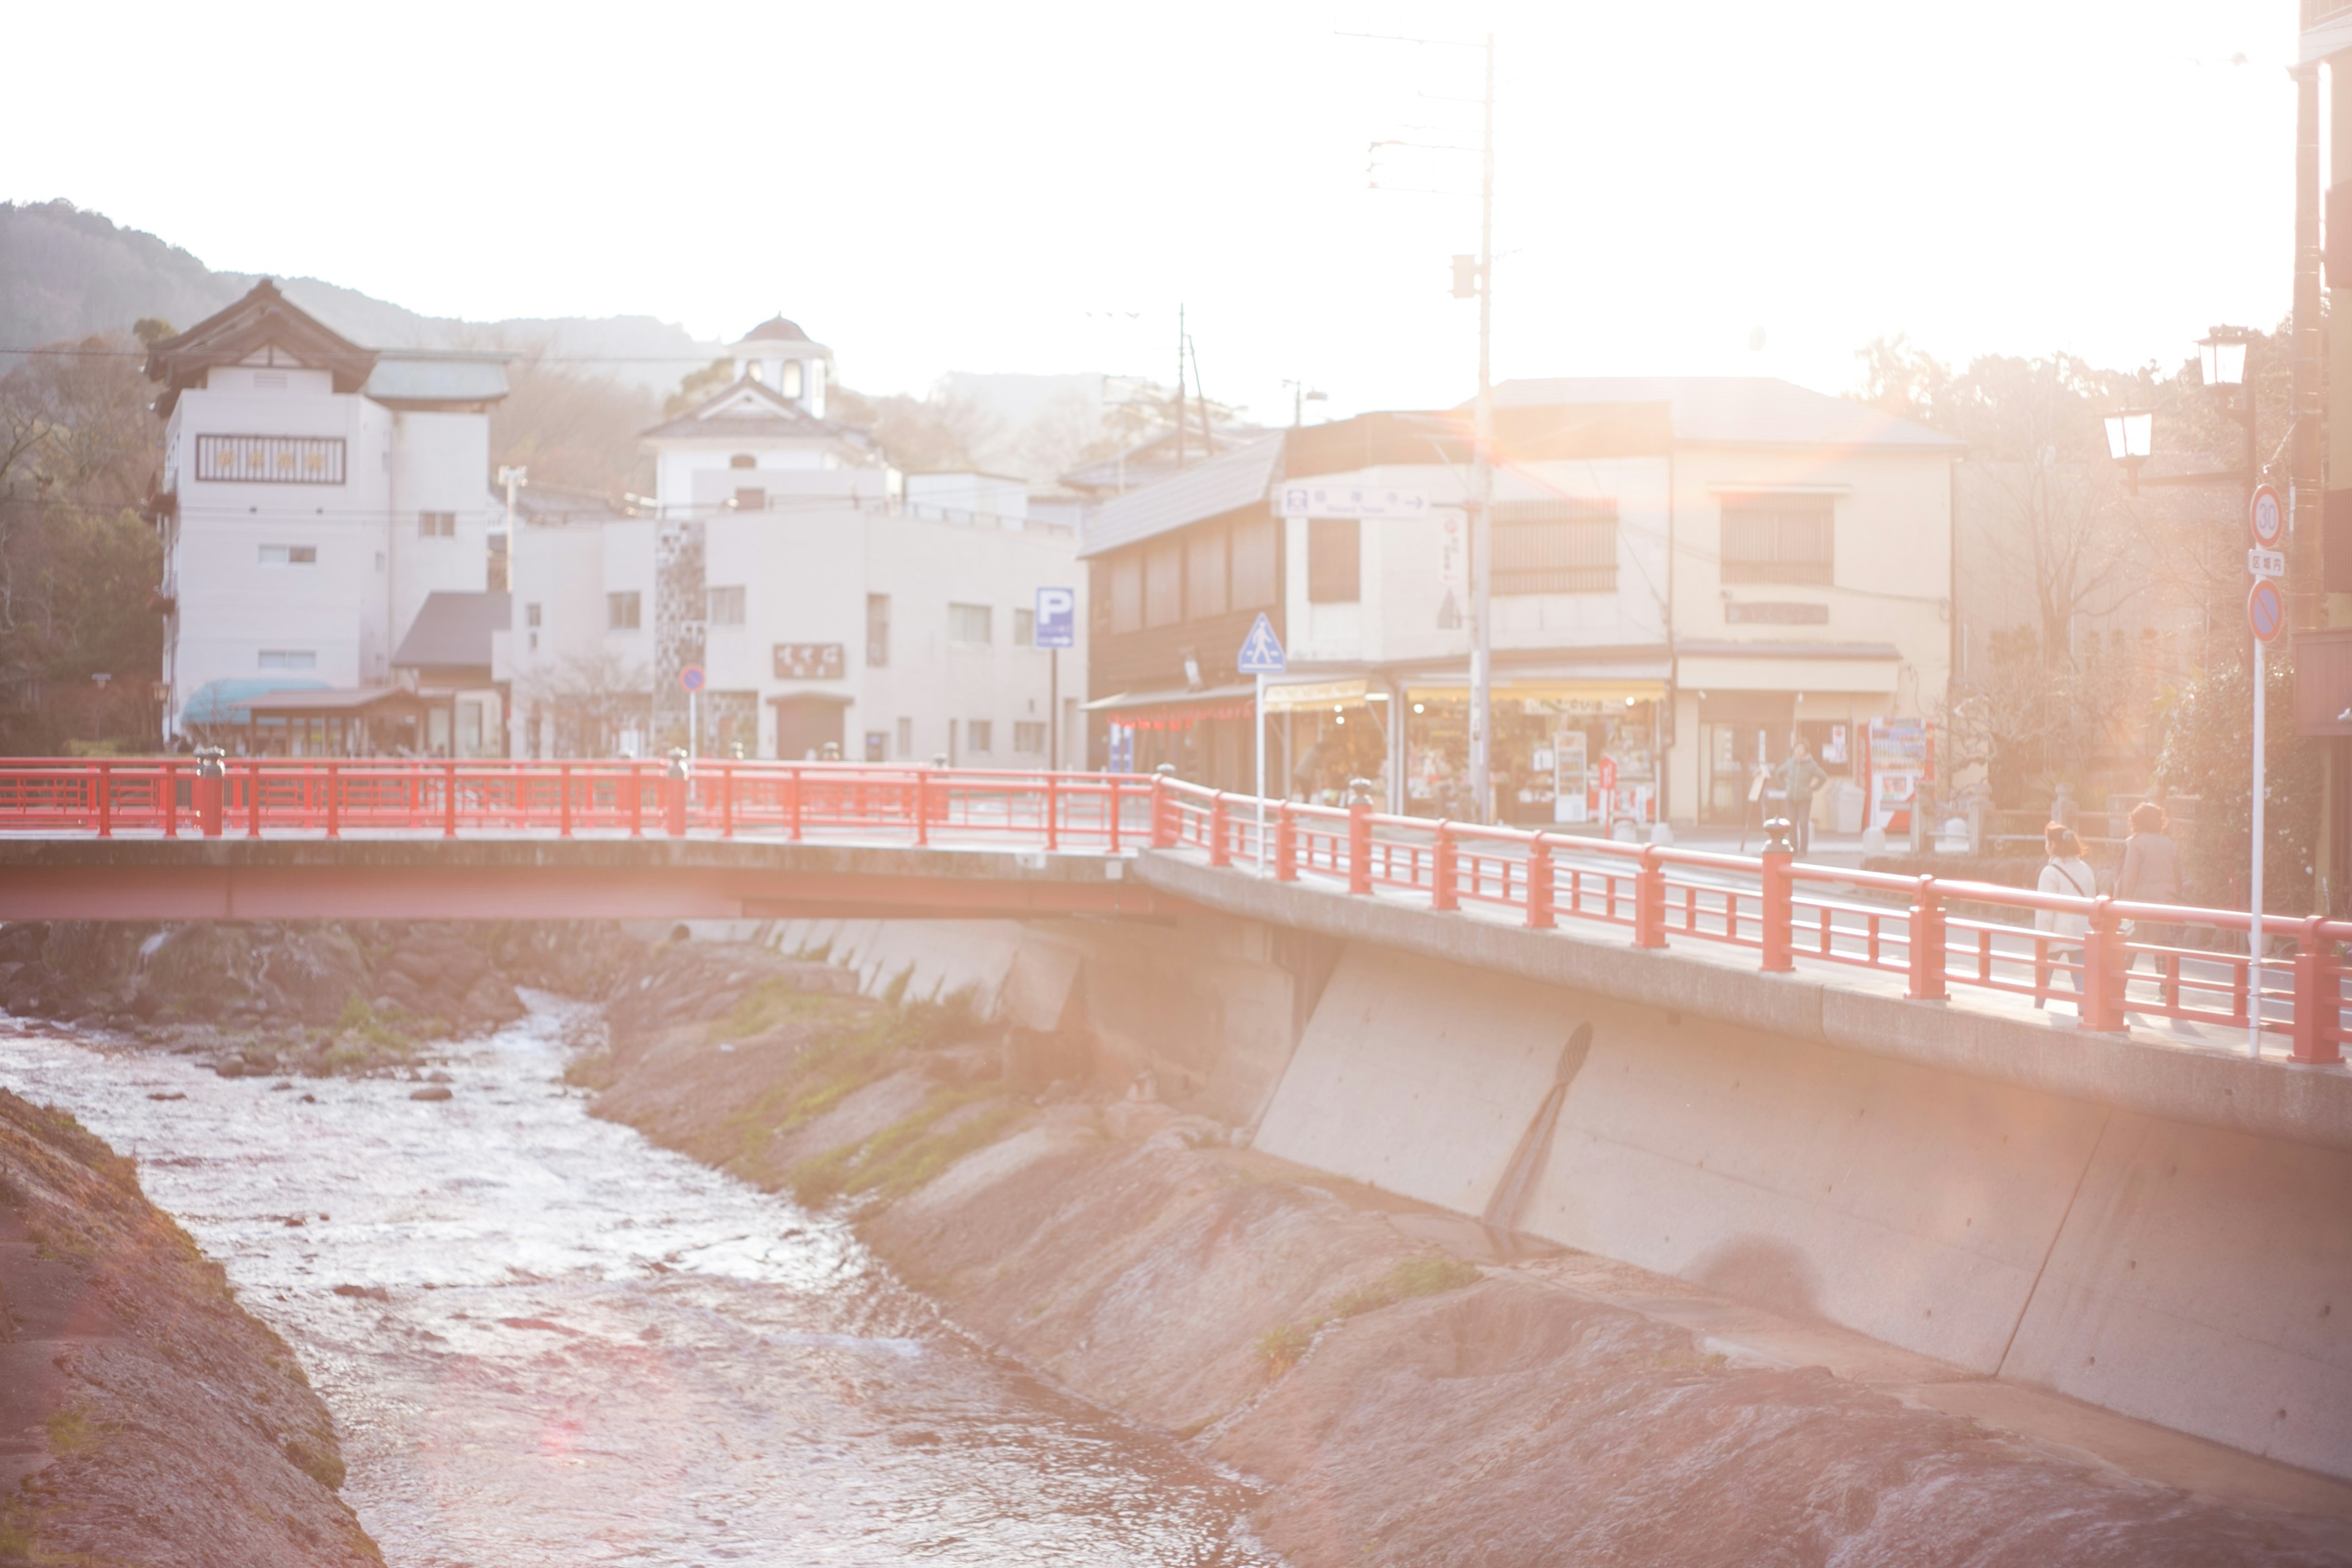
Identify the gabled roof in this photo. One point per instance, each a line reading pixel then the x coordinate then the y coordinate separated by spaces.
pixel 264 318
pixel 453 631
pixel 1233 478
pixel 747 408
pixel 415 378
pixel 1154 457
pixel 1735 410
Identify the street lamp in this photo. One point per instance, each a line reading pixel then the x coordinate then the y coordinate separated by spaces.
pixel 2131 435
pixel 2221 356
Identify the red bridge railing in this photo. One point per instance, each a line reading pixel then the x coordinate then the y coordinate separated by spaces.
pixel 2193 965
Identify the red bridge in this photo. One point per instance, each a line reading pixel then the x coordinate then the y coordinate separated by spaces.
pixel 274 838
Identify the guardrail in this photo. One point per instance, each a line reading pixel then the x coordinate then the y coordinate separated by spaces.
pixel 2131 959
pixel 1933 934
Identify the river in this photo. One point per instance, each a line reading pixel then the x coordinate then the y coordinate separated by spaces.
pixel 547 1342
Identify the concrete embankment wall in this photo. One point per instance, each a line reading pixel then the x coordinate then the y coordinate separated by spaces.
pixel 2191 1274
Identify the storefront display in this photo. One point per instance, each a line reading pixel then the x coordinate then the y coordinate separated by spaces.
pixel 1590 762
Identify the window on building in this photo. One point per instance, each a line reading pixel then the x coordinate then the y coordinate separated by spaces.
pixel 1163 583
pixel 877 629
pixel 980 736
pixel 436 525
pixel 1029 739
pixel 289 658
pixel 1778 539
pixel 1204 573
pixel 1255 548
pixel 793 382
pixel 271 459
pixel 1024 629
pixel 742 460
pixel 723 606
pixel 1126 596
pixel 969 624
pixel 751 497
pixel 1334 561
pixel 1554 547
pixel 906 739
pixel 531 616
pixel 620 612
pixel 289 555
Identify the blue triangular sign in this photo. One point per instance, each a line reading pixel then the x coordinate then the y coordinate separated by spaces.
pixel 1260 650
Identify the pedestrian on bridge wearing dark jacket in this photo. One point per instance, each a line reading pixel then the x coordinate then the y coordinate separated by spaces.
pixel 1799 777
pixel 2151 875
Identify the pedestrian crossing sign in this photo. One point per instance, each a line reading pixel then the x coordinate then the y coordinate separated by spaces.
pixel 1260 650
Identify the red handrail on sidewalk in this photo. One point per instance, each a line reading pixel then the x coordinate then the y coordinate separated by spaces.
pixel 1926 932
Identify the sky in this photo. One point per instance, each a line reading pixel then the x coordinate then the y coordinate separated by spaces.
pixel 1695 188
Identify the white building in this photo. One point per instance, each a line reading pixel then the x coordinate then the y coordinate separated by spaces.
pixel 314 494
pixel 827 600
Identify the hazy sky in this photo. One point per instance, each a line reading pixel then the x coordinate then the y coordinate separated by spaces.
pixel 1028 187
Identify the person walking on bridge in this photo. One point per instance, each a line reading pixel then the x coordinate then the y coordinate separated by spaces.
pixel 1799 777
pixel 2151 875
pixel 2068 874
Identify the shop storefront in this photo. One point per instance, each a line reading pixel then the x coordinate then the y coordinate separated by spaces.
pixel 1580 753
pixel 1204 735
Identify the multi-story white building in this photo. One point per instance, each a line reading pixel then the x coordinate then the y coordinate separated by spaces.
pixel 827 600
pixel 314 494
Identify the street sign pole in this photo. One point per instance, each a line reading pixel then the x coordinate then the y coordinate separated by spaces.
pixel 2265 614
pixel 2254 971
pixel 1257 746
pixel 1262 655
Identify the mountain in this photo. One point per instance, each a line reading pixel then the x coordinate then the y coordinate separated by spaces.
pixel 66 273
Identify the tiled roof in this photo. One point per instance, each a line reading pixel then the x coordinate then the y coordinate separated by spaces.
pixel 453 629
pixel 1226 482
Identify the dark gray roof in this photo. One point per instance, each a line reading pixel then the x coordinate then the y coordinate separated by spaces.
pixel 1736 410
pixel 453 629
pixel 1226 482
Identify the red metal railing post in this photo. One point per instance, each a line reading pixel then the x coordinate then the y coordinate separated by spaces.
pixel 1118 800
pixel 1286 844
pixel 636 786
pixel 333 790
pixel 1779 902
pixel 170 786
pixel 2106 966
pixel 105 800
pixel 212 783
pixel 1163 808
pixel 1539 885
pixel 563 799
pixel 253 800
pixel 726 800
pixel 2319 997
pixel 1443 870
pixel 1360 840
pixel 1052 811
pixel 449 800
pixel 674 783
pixel 1220 852
pixel 922 805
pixel 1928 944
pixel 1650 899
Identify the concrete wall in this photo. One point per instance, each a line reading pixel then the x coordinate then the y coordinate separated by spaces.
pixel 2190 1275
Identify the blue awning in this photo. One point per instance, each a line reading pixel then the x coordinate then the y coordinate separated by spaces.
pixel 224 702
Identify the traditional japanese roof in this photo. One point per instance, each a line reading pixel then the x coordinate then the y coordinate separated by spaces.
pixel 1734 411
pixel 749 410
pixel 1229 481
pixel 421 379
pixel 452 630
pixel 263 320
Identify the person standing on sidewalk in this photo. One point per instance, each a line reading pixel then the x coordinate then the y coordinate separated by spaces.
pixel 2068 874
pixel 1799 777
pixel 2151 875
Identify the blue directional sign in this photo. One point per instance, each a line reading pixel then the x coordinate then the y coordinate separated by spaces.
pixel 1262 650
pixel 1058 617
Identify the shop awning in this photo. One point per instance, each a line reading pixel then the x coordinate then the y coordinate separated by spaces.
pixel 1320 694
pixel 1176 710
pixel 1544 688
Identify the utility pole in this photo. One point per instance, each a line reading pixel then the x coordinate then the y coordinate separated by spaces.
pixel 1482 485
pixel 1180 386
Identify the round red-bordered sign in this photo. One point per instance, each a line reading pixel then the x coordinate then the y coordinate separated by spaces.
pixel 2267 517
pixel 2266 610
pixel 692 678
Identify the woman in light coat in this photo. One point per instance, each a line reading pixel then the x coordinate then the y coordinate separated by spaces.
pixel 2068 874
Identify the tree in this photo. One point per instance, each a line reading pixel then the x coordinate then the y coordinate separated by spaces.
pixel 591 699
pixel 2206 753
pixel 573 431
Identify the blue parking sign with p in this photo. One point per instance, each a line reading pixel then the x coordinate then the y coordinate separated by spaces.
pixel 1058 617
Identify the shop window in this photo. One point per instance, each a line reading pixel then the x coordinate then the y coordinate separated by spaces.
pixel 1204 573
pixel 1554 547
pixel 1334 561
pixel 1163 584
pixel 1778 539
pixel 1126 598
pixel 1256 550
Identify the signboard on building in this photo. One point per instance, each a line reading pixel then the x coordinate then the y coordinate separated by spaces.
pixel 1309 500
pixel 1058 617
pixel 808 661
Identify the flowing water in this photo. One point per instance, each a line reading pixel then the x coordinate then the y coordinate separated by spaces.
pixel 547 1342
